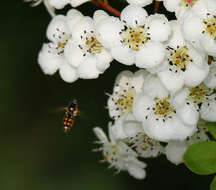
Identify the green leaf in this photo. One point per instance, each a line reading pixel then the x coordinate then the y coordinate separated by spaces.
pixel 212 129
pixel 213 184
pixel 200 158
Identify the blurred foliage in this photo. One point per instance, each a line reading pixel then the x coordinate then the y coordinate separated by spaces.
pixel 213 184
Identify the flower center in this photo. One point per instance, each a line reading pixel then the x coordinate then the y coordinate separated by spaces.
pixel 62 39
pixel 134 36
pixel 200 93
pixel 180 57
pixel 187 3
pixel 125 102
pixel 210 26
pixel 162 107
pixel 94 46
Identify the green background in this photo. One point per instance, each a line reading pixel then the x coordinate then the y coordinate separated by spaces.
pixel 35 154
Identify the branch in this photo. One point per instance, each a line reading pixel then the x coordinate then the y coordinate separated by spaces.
pixel 157 5
pixel 104 4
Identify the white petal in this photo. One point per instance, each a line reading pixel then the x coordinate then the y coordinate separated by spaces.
pixel 140 3
pixel 68 73
pixel 141 105
pixel 188 114
pixel 150 55
pixel 123 54
pixel 171 80
pixel 99 15
pixel 153 87
pixel 134 15
pixel 208 109
pixel 107 32
pixel 171 129
pixel 58 4
pixel 136 172
pixel 194 75
pixel 88 69
pixel 82 28
pixel 176 38
pixel 175 150
pixel 56 27
pixel 209 45
pixel 210 81
pixel 138 80
pixel 103 60
pixel 171 5
pixel 100 134
pixel 180 97
pixel 73 54
pixel 73 17
pixel 192 27
pixel 159 28
pixel 49 62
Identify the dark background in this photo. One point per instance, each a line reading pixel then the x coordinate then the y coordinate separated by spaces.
pixel 35 154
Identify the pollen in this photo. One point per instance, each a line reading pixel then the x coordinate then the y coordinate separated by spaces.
pixel 180 57
pixel 199 94
pixel 125 102
pixel 210 26
pixel 163 107
pixel 93 45
pixel 134 36
pixel 187 3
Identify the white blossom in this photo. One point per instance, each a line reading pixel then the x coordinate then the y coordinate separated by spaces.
pixel 200 97
pixel 52 55
pixel 127 86
pixel 136 37
pixel 179 6
pixel 119 155
pixel 162 119
pixel 184 65
pixel 199 26
pixel 85 52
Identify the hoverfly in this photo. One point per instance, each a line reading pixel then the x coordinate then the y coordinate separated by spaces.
pixel 71 111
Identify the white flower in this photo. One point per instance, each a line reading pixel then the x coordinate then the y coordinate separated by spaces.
pixel 141 3
pixel 119 155
pixel 52 55
pixel 85 52
pixel 135 38
pixel 175 150
pixel 179 6
pixel 199 26
pixel 129 129
pixel 210 81
pixel 200 97
pixel 184 64
pixel 161 119
pixel 145 146
pixel 127 86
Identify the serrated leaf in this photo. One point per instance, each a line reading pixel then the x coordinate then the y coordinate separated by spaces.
pixel 200 158
pixel 213 184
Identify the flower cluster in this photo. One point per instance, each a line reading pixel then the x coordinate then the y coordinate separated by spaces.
pixel 164 101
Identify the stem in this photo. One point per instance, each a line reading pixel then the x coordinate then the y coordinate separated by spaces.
pixel 104 4
pixel 157 5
